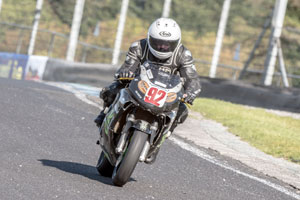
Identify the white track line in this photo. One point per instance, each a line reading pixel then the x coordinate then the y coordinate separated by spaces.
pixel 210 159
pixel 80 95
pixel 70 88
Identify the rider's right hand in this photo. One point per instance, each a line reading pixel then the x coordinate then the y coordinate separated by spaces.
pixel 124 73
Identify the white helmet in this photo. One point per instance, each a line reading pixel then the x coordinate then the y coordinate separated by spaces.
pixel 164 36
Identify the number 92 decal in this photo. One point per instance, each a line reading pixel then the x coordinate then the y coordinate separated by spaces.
pixel 155 96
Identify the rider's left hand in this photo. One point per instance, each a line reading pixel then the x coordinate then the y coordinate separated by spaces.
pixel 189 98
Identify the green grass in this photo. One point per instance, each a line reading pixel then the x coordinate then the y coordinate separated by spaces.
pixel 275 135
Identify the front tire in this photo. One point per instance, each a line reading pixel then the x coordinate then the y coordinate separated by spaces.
pixel 123 171
pixel 104 167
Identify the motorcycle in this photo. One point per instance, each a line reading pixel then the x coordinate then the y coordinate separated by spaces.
pixel 138 121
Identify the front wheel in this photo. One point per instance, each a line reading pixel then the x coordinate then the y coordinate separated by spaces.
pixel 123 171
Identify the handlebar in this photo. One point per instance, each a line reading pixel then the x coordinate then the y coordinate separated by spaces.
pixel 125 79
pixel 182 100
pixel 187 104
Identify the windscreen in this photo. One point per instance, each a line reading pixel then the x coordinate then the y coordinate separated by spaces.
pixel 161 77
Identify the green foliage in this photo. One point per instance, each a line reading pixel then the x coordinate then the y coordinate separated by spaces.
pixel 63 9
pixel 291 49
pixel 294 10
pixel 94 11
pixel 98 11
pixel 19 13
pixel 146 10
pixel 296 82
pixel 260 10
pixel 198 20
pixel 197 15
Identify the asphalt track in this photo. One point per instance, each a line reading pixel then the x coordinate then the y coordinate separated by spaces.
pixel 48 151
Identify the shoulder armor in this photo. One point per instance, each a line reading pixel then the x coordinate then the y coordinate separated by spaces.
pixel 135 44
pixel 134 51
pixel 184 57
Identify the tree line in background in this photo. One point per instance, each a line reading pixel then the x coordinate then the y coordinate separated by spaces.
pixel 198 19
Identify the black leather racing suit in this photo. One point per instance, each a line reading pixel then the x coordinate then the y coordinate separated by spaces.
pixel 180 62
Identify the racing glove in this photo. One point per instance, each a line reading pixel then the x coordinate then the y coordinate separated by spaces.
pixel 190 97
pixel 124 73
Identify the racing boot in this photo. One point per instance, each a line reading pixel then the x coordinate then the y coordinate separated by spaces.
pixel 180 118
pixel 100 118
pixel 151 159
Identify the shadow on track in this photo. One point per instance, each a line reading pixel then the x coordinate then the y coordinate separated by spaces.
pixel 78 168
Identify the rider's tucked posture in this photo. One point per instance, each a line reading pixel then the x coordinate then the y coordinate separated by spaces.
pixel 162 47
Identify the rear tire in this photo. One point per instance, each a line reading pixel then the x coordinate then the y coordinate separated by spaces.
pixel 104 167
pixel 123 171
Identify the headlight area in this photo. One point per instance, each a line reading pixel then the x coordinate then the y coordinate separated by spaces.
pixel 143 86
pixel 171 97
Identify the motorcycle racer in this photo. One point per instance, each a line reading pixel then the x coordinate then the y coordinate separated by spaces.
pixel 162 47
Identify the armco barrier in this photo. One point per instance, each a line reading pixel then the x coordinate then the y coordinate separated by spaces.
pixel 94 74
pixel 233 91
pixel 35 67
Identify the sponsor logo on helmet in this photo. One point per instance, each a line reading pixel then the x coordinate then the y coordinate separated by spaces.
pixel 165 34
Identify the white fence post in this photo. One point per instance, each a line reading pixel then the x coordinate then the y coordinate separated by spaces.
pixel 118 41
pixel 277 23
pixel 35 26
pixel 0 5
pixel 282 65
pixel 166 9
pixel 220 34
pixel 76 23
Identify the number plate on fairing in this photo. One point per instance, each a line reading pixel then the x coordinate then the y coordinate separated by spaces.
pixel 156 96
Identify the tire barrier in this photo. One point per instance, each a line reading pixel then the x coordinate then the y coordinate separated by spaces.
pixel 287 99
pixel 64 71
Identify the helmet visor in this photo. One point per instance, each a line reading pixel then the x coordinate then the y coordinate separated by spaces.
pixel 163 45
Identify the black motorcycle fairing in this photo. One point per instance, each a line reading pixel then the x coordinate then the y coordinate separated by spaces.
pixel 138 121
pixel 123 105
pixel 139 97
pixel 142 125
pixel 115 115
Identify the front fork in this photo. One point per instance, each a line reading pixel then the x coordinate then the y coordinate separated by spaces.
pixel 166 133
pixel 124 134
pixel 144 154
pixel 141 125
